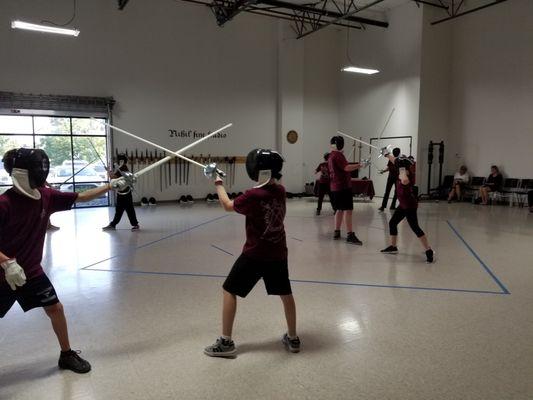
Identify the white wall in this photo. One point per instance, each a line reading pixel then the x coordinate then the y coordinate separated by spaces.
pixel 321 96
pixel 435 75
pixel 367 101
pixel 492 89
pixel 168 67
pixel 290 106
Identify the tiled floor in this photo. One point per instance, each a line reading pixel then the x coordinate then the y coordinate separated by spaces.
pixel 142 305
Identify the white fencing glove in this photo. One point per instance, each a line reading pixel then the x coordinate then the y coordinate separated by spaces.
pixel 385 151
pixel 118 183
pixel 212 172
pixel 403 173
pixel 365 163
pixel 14 273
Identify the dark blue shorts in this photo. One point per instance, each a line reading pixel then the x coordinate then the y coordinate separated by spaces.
pixel 246 272
pixel 37 292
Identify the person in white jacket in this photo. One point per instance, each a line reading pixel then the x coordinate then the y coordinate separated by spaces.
pixel 460 180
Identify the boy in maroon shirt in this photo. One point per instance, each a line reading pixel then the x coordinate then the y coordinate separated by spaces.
pixel 265 252
pixel 408 204
pixel 323 182
pixel 24 213
pixel 341 189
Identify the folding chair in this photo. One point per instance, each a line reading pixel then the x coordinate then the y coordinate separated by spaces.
pixel 520 195
pixel 510 186
pixel 472 190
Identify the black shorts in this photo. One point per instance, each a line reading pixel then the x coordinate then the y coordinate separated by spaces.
pixel 246 272
pixel 36 292
pixel 342 200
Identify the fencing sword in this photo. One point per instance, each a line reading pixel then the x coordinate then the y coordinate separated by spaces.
pixel 132 178
pixel 76 173
pixel 96 152
pixel 381 150
pixel 379 137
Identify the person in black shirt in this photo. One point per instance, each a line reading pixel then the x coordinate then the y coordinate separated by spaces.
pixel 124 198
pixel 323 182
pixel 391 181
pixel 493 183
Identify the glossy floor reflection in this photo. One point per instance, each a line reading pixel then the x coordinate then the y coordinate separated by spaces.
pixel 142 305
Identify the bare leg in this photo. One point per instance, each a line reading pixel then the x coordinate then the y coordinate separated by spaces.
pixel 348 221
pixel 229 310
pixel 290 314
pixel 338 219
pixel 452 194
pixel 458 192
pixel 59 323
pixel 485 196
pixel 394 240
pixel 424 241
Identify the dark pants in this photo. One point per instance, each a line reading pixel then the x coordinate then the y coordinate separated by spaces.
pixel 125 203
pixel 530 198
pixel 412 220
pixel 323 189
pixel 390 184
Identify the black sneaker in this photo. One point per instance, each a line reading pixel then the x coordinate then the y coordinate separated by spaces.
pixel 390 250
pixel 221 348
pixel 353 239
pixel 109 228
pixel 292 345
pixel 337 235
pixel 430 254
pixel 135 228
pixel 72 361
pixel 381 209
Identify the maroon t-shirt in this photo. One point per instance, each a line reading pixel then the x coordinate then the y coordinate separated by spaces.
pixel 324 173
pixel 265 211
pixel 340 179
pixel 23 223
pixel 406 195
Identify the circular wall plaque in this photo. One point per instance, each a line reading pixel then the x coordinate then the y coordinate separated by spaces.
pixel 292 137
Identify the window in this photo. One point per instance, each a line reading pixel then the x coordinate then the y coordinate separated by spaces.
pixel 76 146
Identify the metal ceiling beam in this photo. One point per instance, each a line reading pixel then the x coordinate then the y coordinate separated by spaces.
pixel 342 17
pixel 456 14
pixel 325 13
pixel 286 16
pixel 428 3
pixel 122 4
pixel 268 12
pixel 225 11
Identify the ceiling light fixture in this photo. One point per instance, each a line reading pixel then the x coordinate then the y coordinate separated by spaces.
pixel 44 28
pixel 358 70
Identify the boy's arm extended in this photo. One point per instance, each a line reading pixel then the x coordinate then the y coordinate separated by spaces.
pixel 223 198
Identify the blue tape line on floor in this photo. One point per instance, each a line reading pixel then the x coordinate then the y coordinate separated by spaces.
pixel 156 241
pixel 485 266
pixel 222 250
pixel 302 281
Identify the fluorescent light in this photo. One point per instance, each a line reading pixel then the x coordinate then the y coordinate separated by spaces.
pixel 44 28
pixel 358 70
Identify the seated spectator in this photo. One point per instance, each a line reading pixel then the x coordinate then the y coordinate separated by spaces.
pixel 493 184
pixel 460 180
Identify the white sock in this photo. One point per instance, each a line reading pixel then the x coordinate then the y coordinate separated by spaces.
pixel 227 338
pixel 292 337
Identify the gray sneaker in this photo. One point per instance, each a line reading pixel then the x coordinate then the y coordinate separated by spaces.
pixel 109 228
pixel 221 348
pixel 292 345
